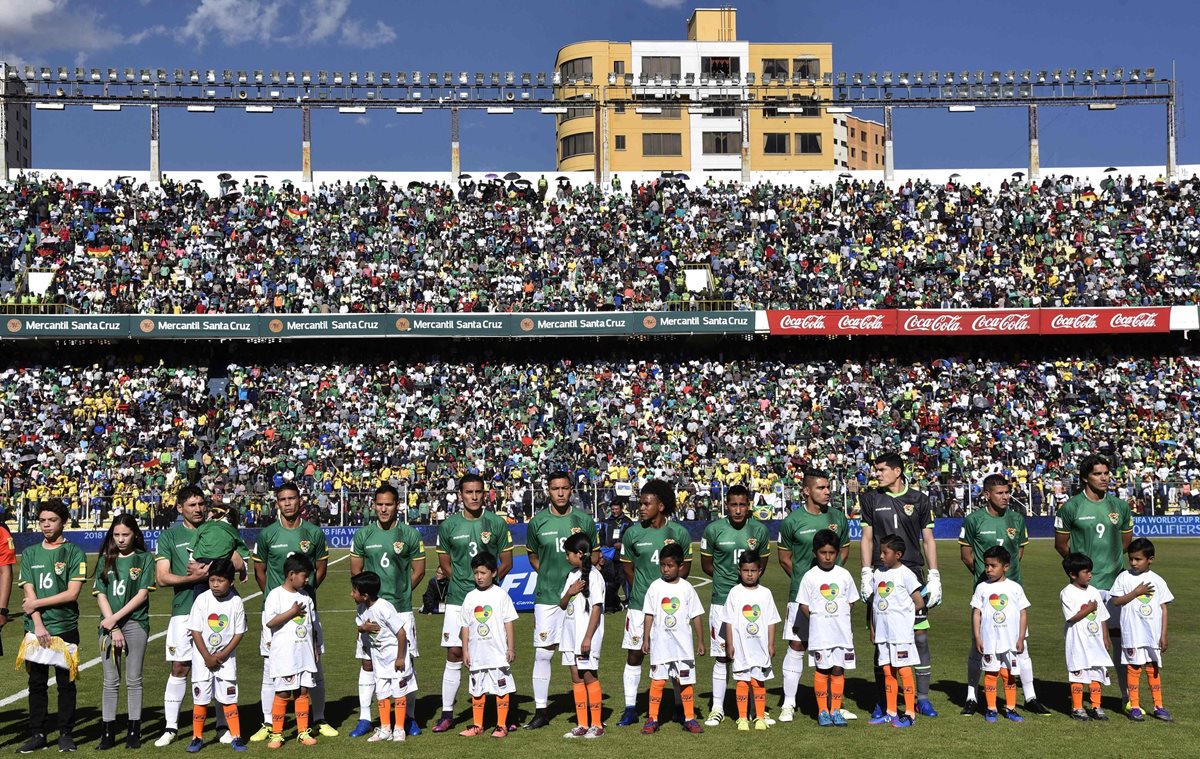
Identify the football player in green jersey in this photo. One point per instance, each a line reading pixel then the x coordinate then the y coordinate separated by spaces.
pixel 723 542
pixel 546 535
pixel 1099 524
pixel 640 546
pixel 462 537
pixel 996 524
pixel 395 552
pixel 796 556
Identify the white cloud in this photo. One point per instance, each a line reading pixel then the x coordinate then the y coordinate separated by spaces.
pixel 664 4
pixel 289 22
pixel 42 25
pixel 363 120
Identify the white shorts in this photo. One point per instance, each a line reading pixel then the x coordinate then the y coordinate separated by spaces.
pixel 492 682
pixel 761 674
pixel 179 640
pixel 292 682
pixel 203 691
pixel 789 629
pixel 898 654
pixel 832 657
pixel 635 625
pixel 547 624
pixel 592 662
pixel 395 687
pixel 1141 656
pixel 452 627
pixel 409 621
pixel 1089 675
pixel 996 662
pixel 683 671
pixel 716 631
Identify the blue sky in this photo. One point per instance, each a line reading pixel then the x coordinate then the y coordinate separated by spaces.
pixel 525 36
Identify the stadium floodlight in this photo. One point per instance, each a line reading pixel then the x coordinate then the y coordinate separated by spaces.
pixel 949 77
pixel 276 77
pixel 858 78
pixel 210 76
pixel 1010 76
pixel 887 78
pixel 258 76
pixel 385 78
pixel 495 78
pixel 289 77
pixel 964 77
pixel 322 77
pixel 689 79
pixel 80 74
pixel 95 75
pixel 873 78
pixel 919 78
pixel 1088 75
pixel 112 75
pixel 587 79
pixel 416 78
pixel 526 78
pixel 353 77
pixel 509 78
pixel 62 74
pixel 658 79
pixel 1041 77
pixel 337 77
pixel 1026 75
pixel 227 76
pixel 306 77
pixel 177 75
pixel 904 78
pixel 703 79
pixel 628 80
pixel 1148 74
pixel 995 77
pixel 978 77
pixel 479 79
pixel 433 79
pixel 401 78
pixel 1057 75
pixel 46 74
pixel 241 77
pixel 749 78
pixel 129 75
pixel 1103 75
pixel 1135 75
pixel 827 79
pixel 30 73
pixel 1071 75
pixel 735 78
pixel 612 79
pixel 1118 74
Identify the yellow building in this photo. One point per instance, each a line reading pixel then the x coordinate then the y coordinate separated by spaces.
pixel 710 103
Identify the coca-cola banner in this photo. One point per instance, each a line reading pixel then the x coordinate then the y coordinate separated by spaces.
pixel 989 321
pixel 1096 321
pixel 861 322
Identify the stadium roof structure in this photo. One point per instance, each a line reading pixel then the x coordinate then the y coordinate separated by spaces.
pixel 500 93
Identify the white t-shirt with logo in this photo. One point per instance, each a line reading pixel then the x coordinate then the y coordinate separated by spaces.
pixel 579 611
pixel 217 622
pixel 1000 605
pixel 893 610
pixel 483 614
pixel 1141 618
pixel 750 613
pixel 673 605
pixel 828 596
pixel 292 646
pixel 384 646
pixel 1085 638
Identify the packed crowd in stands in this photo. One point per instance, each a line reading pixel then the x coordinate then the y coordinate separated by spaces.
pixel 122 247
pixel 123 430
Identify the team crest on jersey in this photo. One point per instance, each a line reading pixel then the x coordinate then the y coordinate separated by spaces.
pixel 485 536
pixel 1113 517
pixel 752 543
pixel 668 541
pixel 171 650
pixel 1012 532
pixel 398 546
pixel 305 545
pixel 445 637
pixel 543 635
pixel 135 572
pixel 908 509
pixel 575 530
pixel 60 567
pixel 833 527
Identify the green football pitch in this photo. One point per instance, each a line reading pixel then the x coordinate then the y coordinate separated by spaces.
pixel 948 735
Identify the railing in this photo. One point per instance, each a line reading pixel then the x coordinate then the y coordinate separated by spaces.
pixel 13 307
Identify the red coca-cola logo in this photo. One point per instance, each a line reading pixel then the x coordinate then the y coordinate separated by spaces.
pixel 807 322
pixel 1078 321
pixel 940 323
pixel 1002 323
pixel 1143 320
pixel 870 322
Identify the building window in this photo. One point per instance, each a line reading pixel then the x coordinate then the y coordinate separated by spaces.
pixel 619 67
pixel 619 108
pixel 808 143
pixel 653 65
pixel 863 136
pixel 876 139
pixel 670 110
pixel 620 142
pixel 662 144
pixel 575 144
pixel 852 132
pixel 576 113
pixel 771 107
pixel 776 68
pixel 723 68
pixel 722 143
pixel 578 68
pixel 852 153
pixel 725 111
pixel 807 68
pixel 776 143
pixel 805 104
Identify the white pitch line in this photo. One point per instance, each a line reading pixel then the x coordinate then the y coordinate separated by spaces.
pixel 93 662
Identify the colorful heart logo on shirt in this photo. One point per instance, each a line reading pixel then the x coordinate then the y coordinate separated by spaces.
pixel 217 622
pixel 751 613
pixel 483 613
pixel 670 605
pixel 885 588
pixel 998 601
pixel 1145 598
pixel 1091 616
pixel 830 591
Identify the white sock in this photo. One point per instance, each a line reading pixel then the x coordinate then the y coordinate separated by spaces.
pixel 173 700
pixel 542 665
pixel 451 679
pixel 720 675
pixel 793 668
pixel 1026 667
pixel 633 682
pixel 317 694
pixel 366 693
pixel 267 693
pixel 974 672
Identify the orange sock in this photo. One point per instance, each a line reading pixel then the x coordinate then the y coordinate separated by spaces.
pixel 838 689
pixel 1010 689
pixel 1077 696
pixel 477 706
pixel 401 705
pixel 989 690
pixel 199 714
pixel 821 689
pixel 1133 678
pixel 656 691
pixel 595 700
pixel 743 699
pixel 686 695
pixel 232 721
pixel 889 688
pixel 385 713
pixel 910 694
pixel 1154 676
pixel 502 710
pixel 278 713
pixel 579 690
pixel 1095 694
pixel 302 706
pixel 760 698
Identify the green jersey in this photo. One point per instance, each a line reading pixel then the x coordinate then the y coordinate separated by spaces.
pixel 725 543
pixel 175 547
pixel 1096 528
pixel 546 535
pixel 390 554
pixel 51 571
pixel 218 539
pixel 640 546
pixel 463 538
pixel 276 543
pixel 796 533
pixel 980 531
pixel 129 576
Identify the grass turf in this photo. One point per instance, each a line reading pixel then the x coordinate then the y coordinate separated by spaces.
pixel 951 734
